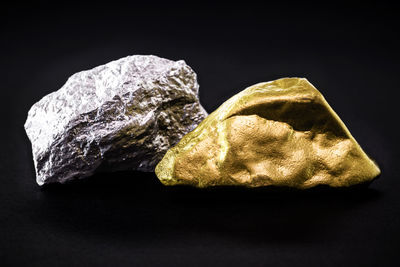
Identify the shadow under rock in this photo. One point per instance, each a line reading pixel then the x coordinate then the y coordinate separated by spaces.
pixel 136 206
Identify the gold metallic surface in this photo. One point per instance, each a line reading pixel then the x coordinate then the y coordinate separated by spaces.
pixel 280 133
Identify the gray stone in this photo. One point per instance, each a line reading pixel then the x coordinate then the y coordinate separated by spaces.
pixel 123 115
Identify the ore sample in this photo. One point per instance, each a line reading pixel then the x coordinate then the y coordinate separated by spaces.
pixel 123 115
pixel 278 133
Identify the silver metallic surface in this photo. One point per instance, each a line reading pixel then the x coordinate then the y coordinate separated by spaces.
pixel 123 115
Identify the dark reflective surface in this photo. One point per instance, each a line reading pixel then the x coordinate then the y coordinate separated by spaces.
pixel 137 206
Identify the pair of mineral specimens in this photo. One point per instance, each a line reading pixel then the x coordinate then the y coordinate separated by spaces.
pixel 143 113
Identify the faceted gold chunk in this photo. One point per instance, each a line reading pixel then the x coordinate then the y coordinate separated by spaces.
pixel 280 133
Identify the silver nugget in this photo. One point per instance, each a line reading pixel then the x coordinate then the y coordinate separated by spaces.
pixel 123 115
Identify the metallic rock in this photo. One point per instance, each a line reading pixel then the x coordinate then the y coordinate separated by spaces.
pixel 280 133
pixel 122 115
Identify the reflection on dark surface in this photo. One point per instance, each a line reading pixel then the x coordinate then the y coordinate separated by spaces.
pixel 135 205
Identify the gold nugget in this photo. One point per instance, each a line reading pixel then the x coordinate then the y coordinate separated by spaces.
pixel 280 133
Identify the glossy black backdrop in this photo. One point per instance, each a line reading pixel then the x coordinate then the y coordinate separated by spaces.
pixel 349 52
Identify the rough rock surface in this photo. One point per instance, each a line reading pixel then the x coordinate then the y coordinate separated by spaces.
pixel 280 133
pixel 122 115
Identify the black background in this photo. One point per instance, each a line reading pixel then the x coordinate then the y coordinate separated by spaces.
pixel 350 52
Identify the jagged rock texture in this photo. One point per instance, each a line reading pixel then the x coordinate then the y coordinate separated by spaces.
pixel 123 115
